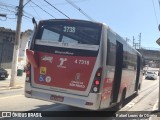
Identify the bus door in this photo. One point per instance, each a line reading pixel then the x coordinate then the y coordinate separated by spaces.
pixel 138 73
pixel 118 72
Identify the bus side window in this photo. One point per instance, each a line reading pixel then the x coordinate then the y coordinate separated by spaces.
pixel 111 53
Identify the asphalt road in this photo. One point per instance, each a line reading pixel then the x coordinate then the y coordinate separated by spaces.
pixel 146 98
pixel 14 100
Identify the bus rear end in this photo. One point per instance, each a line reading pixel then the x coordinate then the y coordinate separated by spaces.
pixel 64 66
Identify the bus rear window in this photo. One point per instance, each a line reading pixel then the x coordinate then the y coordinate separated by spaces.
pixel 70 33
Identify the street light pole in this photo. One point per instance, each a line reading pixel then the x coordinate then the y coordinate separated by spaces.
pixel 16 44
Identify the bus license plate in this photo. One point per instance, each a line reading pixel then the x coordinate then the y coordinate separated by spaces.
pixel 57 98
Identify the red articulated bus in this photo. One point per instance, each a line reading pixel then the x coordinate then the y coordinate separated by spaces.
pixel 81 63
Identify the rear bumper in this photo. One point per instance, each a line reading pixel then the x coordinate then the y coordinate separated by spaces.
pixel 150 77
pixel 68 99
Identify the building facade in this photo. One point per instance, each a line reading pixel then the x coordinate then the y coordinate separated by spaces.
pixel 7 39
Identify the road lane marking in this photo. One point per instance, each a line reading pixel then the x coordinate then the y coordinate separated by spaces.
pixel 155 106
pixel 10 96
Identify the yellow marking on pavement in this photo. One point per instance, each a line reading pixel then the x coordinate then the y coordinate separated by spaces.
pixel 10 96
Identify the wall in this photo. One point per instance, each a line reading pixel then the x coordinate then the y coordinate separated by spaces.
pixel 7 38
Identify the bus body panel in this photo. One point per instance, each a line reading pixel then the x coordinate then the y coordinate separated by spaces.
pixel 76 78
pixel 129 73
pixel 54 70
pixel 92 101
pixel 107 73
pixel 64 66
pixel 68 76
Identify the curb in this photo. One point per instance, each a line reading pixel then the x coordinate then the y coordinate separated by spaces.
pixel 155 108
pixel 9 88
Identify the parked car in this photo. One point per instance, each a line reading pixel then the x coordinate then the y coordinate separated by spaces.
pixel 151 75
pixel 3 73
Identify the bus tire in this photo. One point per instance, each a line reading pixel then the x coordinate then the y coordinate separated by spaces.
pixel 121 103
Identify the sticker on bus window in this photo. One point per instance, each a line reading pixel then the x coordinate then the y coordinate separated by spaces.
pixel 77 84
pixel 47 58
pixel 42 78
pixel 62 61
pixel 48 79
pixel 43 70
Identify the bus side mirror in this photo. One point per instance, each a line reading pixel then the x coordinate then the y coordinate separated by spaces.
pixel 34 21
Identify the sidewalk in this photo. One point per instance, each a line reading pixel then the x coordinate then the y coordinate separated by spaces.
pixel 155 112
pixel 19 82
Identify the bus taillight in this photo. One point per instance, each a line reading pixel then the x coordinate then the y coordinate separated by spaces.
pixel 28 72
pixel 96 83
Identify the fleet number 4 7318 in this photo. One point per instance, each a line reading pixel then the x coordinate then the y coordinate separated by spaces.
pixel 82 62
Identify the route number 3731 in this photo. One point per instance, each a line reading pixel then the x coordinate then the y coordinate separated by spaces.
pixel 82 62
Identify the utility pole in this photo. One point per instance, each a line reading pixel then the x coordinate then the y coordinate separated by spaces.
pixel 158 42
pixel 139 40
pixel 16 44
pixel 133 42
pixel 137 45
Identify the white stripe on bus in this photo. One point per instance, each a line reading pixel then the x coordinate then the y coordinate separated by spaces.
pixel 68 45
